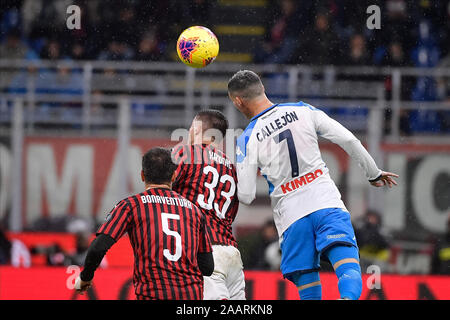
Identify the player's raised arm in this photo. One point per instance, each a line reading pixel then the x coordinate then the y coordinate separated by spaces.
pixel 332 130
pixel 247 169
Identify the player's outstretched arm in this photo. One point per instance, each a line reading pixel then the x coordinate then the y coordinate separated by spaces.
pixel 385 178
pixel 337 133
pixel 94 257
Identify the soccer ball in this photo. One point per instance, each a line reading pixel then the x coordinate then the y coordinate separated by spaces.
pixel 197 46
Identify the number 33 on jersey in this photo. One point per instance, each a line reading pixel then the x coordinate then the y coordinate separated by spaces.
pixel 207 178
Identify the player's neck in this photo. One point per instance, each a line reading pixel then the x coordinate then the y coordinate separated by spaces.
pixel 154 185
pixel 207 143
pixel 259 105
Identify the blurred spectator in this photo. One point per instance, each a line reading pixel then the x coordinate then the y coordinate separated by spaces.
pixel 125 29
pixel 282 39
pixel 397 23
pixel 51 51
pixel 5 248
pixel 368 233
pixel 13 252
pixel 149 48
pixel 358 55
pixel 117 51
pixel 395 55
pixel 82 231
pixel 261 249
pixel 82 241
pixel 54 253
pixel 441 256
pixel 322 45
pixel 78 51
pixel 13 48
pixel 348 13
pixel 87 41
pixel 445 81
pixel 373 244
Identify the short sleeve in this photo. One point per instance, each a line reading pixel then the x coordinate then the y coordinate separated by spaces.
pixel 117 221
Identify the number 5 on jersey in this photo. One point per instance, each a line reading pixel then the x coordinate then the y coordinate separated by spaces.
pixel 165 227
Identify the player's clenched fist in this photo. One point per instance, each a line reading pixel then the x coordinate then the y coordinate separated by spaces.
pixel 82 286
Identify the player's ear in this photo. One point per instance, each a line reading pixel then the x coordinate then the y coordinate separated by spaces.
pixel 142 176
pixel 239 102
pixel 232 98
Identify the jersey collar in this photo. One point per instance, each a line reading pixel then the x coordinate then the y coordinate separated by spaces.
pixel 263 112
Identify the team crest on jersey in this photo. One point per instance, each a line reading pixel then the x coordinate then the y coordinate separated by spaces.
pixel 108 216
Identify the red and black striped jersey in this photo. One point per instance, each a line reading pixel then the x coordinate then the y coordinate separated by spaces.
pixel 208 178
pixel 166 232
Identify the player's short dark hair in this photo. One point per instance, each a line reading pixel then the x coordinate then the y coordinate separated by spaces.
pixel 158 166
pixel 213 119
pixel 245 84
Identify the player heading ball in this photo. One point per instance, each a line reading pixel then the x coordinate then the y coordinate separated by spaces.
pixel 309 214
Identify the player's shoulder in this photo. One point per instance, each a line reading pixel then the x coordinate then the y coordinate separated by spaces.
pixel 300 105
pixel 174 194
pixel 181 149
pixel 125 203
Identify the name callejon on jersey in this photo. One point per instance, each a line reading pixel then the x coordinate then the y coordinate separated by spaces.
pixel 282 143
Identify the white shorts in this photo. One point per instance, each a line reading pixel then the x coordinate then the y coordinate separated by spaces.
pixel 227 281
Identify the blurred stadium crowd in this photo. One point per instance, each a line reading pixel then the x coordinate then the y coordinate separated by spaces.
pixel 413 33
pixel 325 32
